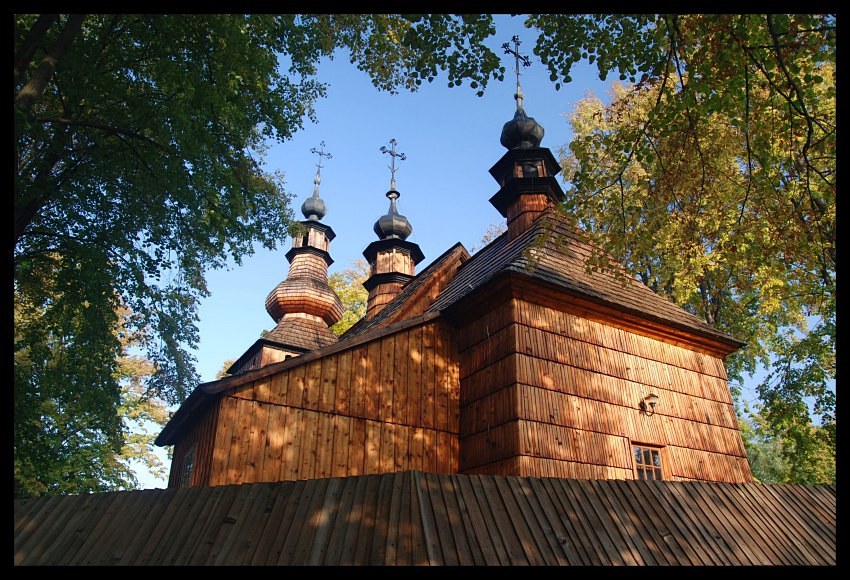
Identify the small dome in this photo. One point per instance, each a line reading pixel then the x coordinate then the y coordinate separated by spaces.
pixel 314 208
pixel 393 224
pixel 521 132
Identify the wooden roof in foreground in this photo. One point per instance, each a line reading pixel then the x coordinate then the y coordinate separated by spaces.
pixel 415 518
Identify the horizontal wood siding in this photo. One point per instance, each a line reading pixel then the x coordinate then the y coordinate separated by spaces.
pixel 387 405
pixel 413 518
pixel 579 385
pixel 487 371
pixel 568 388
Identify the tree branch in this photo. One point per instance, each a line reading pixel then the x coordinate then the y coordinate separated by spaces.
pixel 33 39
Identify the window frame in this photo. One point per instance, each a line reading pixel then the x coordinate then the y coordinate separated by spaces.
pixel 659 472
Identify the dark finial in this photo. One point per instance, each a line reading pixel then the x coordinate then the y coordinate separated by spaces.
pixel 393 153
pixel 314 208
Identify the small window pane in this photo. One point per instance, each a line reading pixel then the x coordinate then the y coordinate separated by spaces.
pixel 647 462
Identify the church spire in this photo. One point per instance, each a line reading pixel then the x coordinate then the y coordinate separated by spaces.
pixel 392 258
pixel 526 173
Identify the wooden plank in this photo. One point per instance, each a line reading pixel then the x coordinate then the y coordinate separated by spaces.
pixel 342 443
pixel 238 541
pixel 414 376
pixel 387 378
pixel 308 445
pixel 206 529
pixel 357 395
pixel 274 443
pixel 564 532
pixel 373 388
pixel 329 366
pixel 442 551
pixel 344 381
pixel 378 553
pixel 324 446
pixel 223 441
pixel 259 441
pixel 360 534
pixel 72 543
pixel 313 384
pixel 292 444
pixel 493 514
pixel 296 548
pixel 534 542
pixel 172 506
pixel 277 388
pixel 441 379
pixel 401 451
pixel 324 521
pixel 428 387
pixel 285 514
pixel 340 550
pixel 357 447
pixel 482 548
pixel 401 388
pixel 394 525
pixel 387 452
pixel 32 528
pixel 295 386
pixel 372 460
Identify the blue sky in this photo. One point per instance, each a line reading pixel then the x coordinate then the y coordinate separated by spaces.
pixel 450 138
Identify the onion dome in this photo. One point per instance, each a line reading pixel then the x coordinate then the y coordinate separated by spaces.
pixel 314 208
pixel 393 225
pixel 521 132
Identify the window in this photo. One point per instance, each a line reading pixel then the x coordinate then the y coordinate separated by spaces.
pixel 647 462
pixel 188 467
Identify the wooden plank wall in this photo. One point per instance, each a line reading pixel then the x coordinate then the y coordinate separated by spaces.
pixel 201 435
pixel 415 518
pixel 390 404
pixel 572 408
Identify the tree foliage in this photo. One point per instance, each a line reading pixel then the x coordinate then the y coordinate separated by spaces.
pixel 348 285
pixel 139 167
pixel 712 177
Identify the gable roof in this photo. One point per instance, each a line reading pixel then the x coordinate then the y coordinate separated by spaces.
pixel 556 253
pixel 415 518
pixel 421 283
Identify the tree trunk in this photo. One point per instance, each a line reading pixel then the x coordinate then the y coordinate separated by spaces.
pixel 34 38
pixel 33 89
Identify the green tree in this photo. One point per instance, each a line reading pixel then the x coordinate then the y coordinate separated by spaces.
pixel 712 178
pixel 138 167
pixel 348 285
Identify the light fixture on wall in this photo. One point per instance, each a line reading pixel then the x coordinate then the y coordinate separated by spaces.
pixel 647 405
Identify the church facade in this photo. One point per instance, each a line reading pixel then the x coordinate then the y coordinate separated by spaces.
pixel 516 361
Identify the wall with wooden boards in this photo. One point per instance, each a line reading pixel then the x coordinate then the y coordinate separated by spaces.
pixel 389 404
pixel 546 392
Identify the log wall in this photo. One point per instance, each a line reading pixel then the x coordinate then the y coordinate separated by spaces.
pixel 390 404
pixel 548 393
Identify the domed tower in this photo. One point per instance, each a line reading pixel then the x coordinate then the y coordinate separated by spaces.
pixel 392 259
pixel 526 173
pixel 304 305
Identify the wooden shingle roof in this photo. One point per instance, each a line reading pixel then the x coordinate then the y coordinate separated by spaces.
pixel 415 518
pixel 556 253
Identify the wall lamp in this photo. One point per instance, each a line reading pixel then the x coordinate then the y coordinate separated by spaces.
pixel 647 405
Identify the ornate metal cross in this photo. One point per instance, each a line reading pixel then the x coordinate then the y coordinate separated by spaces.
pixel 393 154
pixel 518 58
pixel 321 153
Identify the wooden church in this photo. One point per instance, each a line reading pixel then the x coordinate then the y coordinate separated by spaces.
pixel 515 361
pixel 506 408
